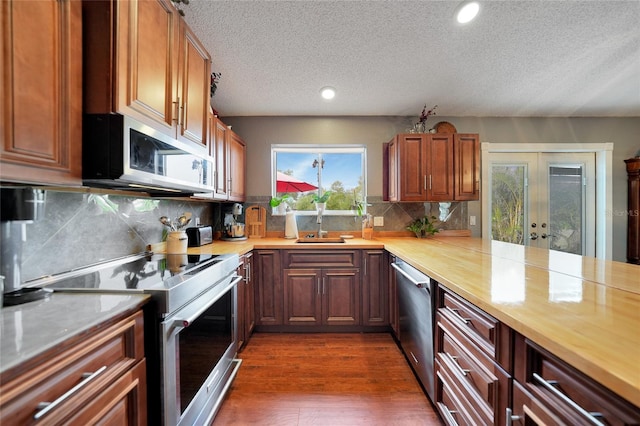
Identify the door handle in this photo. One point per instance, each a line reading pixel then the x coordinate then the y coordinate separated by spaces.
pixel 533 236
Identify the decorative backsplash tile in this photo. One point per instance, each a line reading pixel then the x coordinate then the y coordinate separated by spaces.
pixel 79 229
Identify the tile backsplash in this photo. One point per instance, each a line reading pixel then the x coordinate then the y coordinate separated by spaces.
pixel 79 229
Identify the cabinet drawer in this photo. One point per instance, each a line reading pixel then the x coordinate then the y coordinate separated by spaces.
pixel 321 258
pixel 566 392
pixel 107 355
pixel 479 326
pixel 453 409
pixel 480 383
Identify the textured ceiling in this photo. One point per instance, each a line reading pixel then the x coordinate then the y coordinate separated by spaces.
pixel 518 58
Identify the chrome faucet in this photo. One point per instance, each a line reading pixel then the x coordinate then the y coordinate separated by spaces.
pixel 321 233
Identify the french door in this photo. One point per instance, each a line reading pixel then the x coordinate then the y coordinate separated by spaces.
pixel 545 200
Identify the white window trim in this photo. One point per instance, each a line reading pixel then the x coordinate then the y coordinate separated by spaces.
pixel 604 184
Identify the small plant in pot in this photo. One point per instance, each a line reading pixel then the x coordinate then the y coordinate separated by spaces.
pixel 424 227
pixel 321 200
pixel 280 203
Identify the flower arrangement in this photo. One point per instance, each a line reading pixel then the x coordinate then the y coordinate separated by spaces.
pixel 421 125
pixel 215 79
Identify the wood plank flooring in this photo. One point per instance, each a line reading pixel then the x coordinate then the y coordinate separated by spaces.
pixel 325 379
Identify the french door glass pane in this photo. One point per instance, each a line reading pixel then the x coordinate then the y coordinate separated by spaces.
pixel 566 208
pixel 507 203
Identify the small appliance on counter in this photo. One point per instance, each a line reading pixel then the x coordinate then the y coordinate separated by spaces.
pixel 19 207
pixel 200 235
pixel 234 230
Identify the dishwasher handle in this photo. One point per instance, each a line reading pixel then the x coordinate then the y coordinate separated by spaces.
pixel 419 284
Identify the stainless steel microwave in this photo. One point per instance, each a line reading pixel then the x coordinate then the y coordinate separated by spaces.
pixel 119 152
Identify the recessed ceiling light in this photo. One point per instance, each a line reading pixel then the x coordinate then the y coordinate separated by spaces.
pixel 467 11
pixel 328 92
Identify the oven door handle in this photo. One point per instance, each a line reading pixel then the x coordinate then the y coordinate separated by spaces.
pixel 186 322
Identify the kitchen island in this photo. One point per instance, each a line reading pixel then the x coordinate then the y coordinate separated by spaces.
pixel 583 310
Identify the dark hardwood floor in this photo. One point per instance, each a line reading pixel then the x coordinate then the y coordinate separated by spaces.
pixel 325 379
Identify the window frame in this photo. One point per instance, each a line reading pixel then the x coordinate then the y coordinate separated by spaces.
pixel 321 149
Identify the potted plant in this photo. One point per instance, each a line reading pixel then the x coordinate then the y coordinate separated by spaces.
pixel 280 203
pixel 321 200
pixel 424 227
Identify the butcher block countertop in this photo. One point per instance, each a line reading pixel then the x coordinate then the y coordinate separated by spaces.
pixel 584 310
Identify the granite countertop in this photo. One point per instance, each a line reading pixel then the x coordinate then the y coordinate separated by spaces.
pixel 32 328
pixel 584 310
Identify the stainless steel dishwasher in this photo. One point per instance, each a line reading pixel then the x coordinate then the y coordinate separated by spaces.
pixel 416 303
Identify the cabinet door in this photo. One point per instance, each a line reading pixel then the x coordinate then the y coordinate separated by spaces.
pixel 341 296
pixel 194 80
pixel 41 92
pixel 236 170
pixel 411 167
pixel 147 62
pixel 302 296
pixel 392 171
pixel 439 167
pixel 466 152
pixel 268 288
pixel 218 150
pixel 375 307
pixel 242 301
pixel 250 314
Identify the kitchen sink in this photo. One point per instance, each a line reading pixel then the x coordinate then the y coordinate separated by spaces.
pixel 320 240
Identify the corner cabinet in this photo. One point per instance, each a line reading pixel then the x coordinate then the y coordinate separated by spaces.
pixel 142 60
pixel 432 167
pixel 633 210
pixel 101 379
pixel 41 94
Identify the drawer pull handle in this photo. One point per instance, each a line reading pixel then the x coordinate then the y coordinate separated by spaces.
pixel 591 417
pixel 46 407
pixel 453 359
pixel 455 312
pixel 511 417
pixel 448 414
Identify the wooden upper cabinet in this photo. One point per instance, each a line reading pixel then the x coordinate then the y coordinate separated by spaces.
pixel 433 167
pixel 194 88
pixel 466 154
pixel 410 168
pixel 439 167
pixel 218 150
pixel 41 92
pixel 142 60
pixel 236 166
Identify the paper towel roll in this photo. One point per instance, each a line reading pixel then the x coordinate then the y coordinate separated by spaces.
pixel 290 225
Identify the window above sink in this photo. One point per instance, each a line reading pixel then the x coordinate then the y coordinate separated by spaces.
pixel 300 173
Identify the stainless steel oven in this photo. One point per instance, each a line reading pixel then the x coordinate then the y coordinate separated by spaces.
pixel 190 326
pixel 199 345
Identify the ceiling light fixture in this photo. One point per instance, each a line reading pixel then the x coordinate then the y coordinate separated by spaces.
pixel 467 11
pixel 328 93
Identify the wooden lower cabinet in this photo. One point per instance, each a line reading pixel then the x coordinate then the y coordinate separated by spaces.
pixel 107 367
pixel 246 296
pixel 548 391
pixel 322 297
pixel 268 288
pixel 375 289
pixel 472 387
